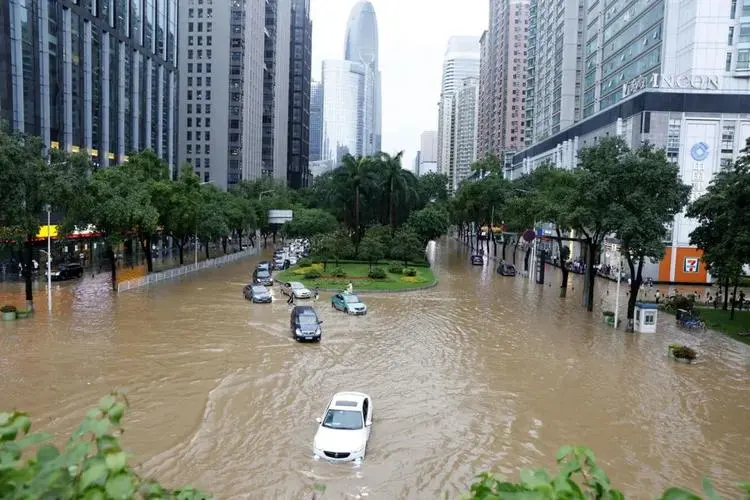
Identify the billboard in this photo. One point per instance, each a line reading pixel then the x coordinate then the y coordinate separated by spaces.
pixel 279 216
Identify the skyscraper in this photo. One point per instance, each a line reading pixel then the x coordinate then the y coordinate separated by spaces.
pixel 298 158
pixel 465 130
pixel 99 77
pixel 221 90
pixel 361 45
pixel 503 77
pixel 461 61
pixel 276 88
pixel 316 120
pixel 344 85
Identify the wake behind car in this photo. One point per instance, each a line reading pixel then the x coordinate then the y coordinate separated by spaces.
pixel 348 303
pixel 262 277
pixel 66 272
pixel 477 260
pixel 344 428
pixel 298 289
pixel 305 324
pixel 257 294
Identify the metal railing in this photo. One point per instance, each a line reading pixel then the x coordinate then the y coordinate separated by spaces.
pixel 183 270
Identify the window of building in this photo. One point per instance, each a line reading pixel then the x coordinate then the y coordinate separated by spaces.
pixel 197 149
pixel 190 81
pixel 197 163
pixel 730 36
pixel 189 136
pixel 727 138
pixel 189 122
pixel 190 95
pixel 207 136
pixel 209 28
pixel 728 63
pixel 743 59
pixel 208 95
pixel 208 108
pixel 199 81
pixel 198 121
pixel 208 67
pixel 190 27
pixel 206 176
pixel 200 40
pixel 208 122
pixel 746 8
pixel 190 40
pixel 190 67
pixel 744 33
pixel 190 53
pixel 198 135
pixel 189 148
pixel 208 149
pixel 733 9
pixel 191 12
pixel 198 108
pixel 199 67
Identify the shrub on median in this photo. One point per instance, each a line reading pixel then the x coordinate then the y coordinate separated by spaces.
pixel 395 269
pixel 377 273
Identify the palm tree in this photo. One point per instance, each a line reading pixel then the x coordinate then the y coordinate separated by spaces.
pixel 397 179
pixel 356 174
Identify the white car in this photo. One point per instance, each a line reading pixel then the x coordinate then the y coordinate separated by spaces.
pixel 298 289
pixel 293 260
pixel 344 428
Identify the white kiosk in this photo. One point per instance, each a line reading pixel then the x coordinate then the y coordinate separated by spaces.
pixel 645 317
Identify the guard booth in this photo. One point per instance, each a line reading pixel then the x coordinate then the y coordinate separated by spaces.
pixel 645 317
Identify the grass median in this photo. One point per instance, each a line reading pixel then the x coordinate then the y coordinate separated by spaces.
pixel 357 273
pixel 717 319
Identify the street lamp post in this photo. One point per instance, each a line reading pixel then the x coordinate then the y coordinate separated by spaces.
pixel 532 264
pixel 617 291
pixel 49 259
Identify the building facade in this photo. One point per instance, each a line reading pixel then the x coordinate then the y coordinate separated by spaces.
pixel 91 76
pixel 276 88
pixel 344 127
pixel 465 130
pixel 503 78
pixel 316 120
pixel 300 69
pixel 361 46
pixel 461 61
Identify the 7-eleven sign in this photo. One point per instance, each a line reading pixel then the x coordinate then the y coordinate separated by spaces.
pixel 691 265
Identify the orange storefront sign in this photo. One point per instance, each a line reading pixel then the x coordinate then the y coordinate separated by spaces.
pixel 688 266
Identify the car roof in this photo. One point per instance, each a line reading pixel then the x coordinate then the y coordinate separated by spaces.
pixel 304 310
pixel 354 397
pixel 259 287
pixel 292 283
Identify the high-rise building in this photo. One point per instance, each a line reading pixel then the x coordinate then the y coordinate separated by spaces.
pixel 427 154
pixel 672 74
pixel 98 77
pixel 276 88
pixel 556 58
pixel 465 130
pixel 503 78
pixel 300 68
pixel 361 45
pixel 316 120
pixel 461 61
pixel 344 85
pixel 221 89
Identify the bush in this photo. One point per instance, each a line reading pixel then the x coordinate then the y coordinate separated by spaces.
pixel 672 304
pixel 377 273
pixel 8 309
pixel 410 271
pixel 396 269
pixel 304 262
pixel 339 273
pixel 683 352
pixel 312 274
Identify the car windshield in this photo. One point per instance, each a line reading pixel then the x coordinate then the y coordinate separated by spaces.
pixel 263 274
pixel 297 286
pixel 308 319
pixel 259 289
pixel 351 299
pixel 263 267
pixel 343 419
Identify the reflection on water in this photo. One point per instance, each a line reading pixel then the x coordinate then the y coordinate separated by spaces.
pixel 481 372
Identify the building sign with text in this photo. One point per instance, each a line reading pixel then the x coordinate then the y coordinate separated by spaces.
pixel 691 265
pixel 660 81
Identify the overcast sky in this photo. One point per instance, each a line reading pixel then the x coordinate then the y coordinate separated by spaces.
pixel 413 37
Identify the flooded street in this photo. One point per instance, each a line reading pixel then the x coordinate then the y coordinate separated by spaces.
pixel 481 372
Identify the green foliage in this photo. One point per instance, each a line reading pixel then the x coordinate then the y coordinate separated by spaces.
pixel 312 274
pixel 429 223
pixel 396 269
pixel 410 271
pixel 407 245
pixel 432 188
pixel 92 465
pixel 304 262
pixel 309 222
pixel 338 272
pixel 377 273
pixel 8 309
pixel 680 351
pixel 371 248
pixel 684 302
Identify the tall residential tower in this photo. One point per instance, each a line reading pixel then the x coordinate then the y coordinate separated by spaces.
pixel 300 67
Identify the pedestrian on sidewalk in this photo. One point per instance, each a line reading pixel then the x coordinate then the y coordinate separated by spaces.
pixel 317 293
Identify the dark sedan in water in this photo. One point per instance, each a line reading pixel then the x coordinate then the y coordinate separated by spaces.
pixel 477 260
pixel 258 294
pixel 262 277
pixel 506 270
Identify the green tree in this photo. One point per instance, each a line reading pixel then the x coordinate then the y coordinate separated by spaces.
pixel 371 249
pixel 407 245
pixel 651 193
pixel 433 187
pixel 212 220
pixel 177 204
pixel 308 222
pixel 353 175
pixel 31 179
pixel 723 231
pixel 489 164
pixel 397 181
pixel 429 223
pixel 240 214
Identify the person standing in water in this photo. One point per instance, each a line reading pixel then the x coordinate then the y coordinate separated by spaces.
pixel 350 288
pixel 317 293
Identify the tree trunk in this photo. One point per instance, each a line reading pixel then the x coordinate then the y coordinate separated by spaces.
pixel 505 244
pixel 515 249
pixel 734 299
pixel 180 247
pixel 590 275
pixel 27 270
pixel 526 259
pixel 494 244
pixel 563 268
pixel 356 215
pixel 146 245
pixel 726 295
pixel 224 244
pixel 239 238
pixel 636 280
pixel 113 263
pixel 391 205
pixel 274 237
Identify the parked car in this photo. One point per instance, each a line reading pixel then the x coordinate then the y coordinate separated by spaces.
pixel 345 427
pixel 477 260
pixel 506 270
pixel 262 277
pixel 263 265
pixel 257 294
pixel 66 272
pixel 281 263
pixel 305 324
pixel 298 289
pixel 348 303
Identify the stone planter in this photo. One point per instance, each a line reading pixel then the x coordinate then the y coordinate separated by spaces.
pixel 9 316
pixel 23 314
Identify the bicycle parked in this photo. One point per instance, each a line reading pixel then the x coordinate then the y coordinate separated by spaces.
pixel 690 319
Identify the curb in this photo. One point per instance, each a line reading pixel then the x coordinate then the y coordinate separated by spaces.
pixel 367 292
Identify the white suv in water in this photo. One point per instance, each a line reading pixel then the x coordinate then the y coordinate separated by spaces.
pixel 345 428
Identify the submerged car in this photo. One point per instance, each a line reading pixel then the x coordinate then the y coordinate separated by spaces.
pixel 506 270
pixel 262 277
pixel 258 294
pixel 263 265
pixel 281 263
pixel 66 272
pixel 298 289
pixel 305 324
pixel 344 428
pixel 477 260
pixel 349 303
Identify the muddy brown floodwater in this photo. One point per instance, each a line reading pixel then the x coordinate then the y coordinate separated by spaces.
pixel 481 372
